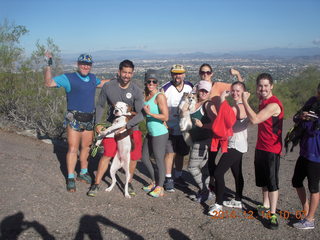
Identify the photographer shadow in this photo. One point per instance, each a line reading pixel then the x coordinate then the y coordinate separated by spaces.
pixel 89 228
pixel 13 226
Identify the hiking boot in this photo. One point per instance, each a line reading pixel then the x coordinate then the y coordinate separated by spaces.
pixel 85 178
pixel 93 191
pixel 169 184
pixel 149 188
pixel 180 182
pixel 304 224
pixel 232 204
pixel 71 185
pixel 215 210
pixel 131 190
pixel 157 192
pixel 262 210
pixel 273 222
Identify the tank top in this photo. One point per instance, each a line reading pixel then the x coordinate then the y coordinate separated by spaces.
pixel 270 131
pixel 239 140
pixel 155 126
pixel 197 133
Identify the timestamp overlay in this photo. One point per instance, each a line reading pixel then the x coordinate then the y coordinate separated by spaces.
pixel 250 214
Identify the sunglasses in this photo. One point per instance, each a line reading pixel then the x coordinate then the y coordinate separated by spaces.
pixel 152 81
pixel 205 72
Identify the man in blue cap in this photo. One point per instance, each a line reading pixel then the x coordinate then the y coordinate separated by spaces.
pixel 80 88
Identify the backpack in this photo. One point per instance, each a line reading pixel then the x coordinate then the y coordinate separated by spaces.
pixel 295 133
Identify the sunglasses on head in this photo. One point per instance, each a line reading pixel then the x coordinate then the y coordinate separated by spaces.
pixel 152 81
pixel 205 72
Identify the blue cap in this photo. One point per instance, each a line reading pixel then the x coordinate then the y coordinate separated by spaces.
pixel 85 58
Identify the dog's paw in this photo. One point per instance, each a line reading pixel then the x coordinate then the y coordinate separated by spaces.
pixel 127 195
pixel 108 189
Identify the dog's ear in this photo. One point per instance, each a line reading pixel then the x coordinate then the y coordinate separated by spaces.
pixel 185 94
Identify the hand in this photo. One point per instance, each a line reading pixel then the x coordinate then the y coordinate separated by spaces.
pixel 245 96
pixel 48 54
pixel 146 108
pixel 100 129
pixel 234 72
pixel 224 94
pixel 197 122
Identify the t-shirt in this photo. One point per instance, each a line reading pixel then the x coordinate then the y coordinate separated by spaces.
pixel 111 93
pixel 173 100
pixel 63 81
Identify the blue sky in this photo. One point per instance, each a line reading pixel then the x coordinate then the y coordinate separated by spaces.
pixel 166 26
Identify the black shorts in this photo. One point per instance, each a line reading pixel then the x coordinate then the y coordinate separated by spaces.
pixel 176 144
pixel 266 165
pixel 305 168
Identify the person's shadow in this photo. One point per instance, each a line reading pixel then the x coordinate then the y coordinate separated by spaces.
pixel 89 228
pixel 12 226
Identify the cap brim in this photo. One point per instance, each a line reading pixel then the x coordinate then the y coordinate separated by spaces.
pixel 178 71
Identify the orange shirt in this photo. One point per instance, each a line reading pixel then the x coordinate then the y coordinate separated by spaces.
pixel 218 88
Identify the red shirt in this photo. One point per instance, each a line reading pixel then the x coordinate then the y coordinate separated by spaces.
pixel 270 131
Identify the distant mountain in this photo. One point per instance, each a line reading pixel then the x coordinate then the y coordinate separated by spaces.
pixel 105 55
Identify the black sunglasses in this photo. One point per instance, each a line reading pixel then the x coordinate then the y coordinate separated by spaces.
pixel 152 81
pixel 205 72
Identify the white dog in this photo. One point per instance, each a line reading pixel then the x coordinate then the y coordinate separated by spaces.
pixel 122 157
pixel 187 106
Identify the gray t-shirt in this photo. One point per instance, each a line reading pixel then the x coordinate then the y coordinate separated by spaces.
pixel 111 93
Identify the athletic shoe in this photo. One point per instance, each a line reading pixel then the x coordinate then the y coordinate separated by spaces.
pixel 180 182
pixel 93 191
pixel 169 184
pixel 84 178
pixel 232 204
pixel 157 192
pixel 304 224
pixel 149 188
pixel 131 190
pixel 273 222
pixel 71 185
pixel 215 210
pixel 262 210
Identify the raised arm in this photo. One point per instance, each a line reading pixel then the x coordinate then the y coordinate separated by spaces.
pixel 270 110
pixel 103 81
pixel 49 82
pixel 236 73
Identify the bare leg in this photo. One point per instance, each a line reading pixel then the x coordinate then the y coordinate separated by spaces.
pixel 102 168
pixel 132 168
pixel 273 199
pixel 265 195
pixel 303 199
pixel 178 161
pixel 168 160
pixel 74 138
pixel 314 202
pixel 86 141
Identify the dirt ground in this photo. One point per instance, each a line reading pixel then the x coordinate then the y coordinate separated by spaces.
pixel 34 203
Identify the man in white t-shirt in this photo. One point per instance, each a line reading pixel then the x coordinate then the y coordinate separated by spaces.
pixel 176 148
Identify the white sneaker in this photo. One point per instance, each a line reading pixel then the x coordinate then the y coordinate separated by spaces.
pixel 232 204
pixel 215 210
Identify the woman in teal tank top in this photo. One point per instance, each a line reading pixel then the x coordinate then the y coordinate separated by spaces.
pixel 156 111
